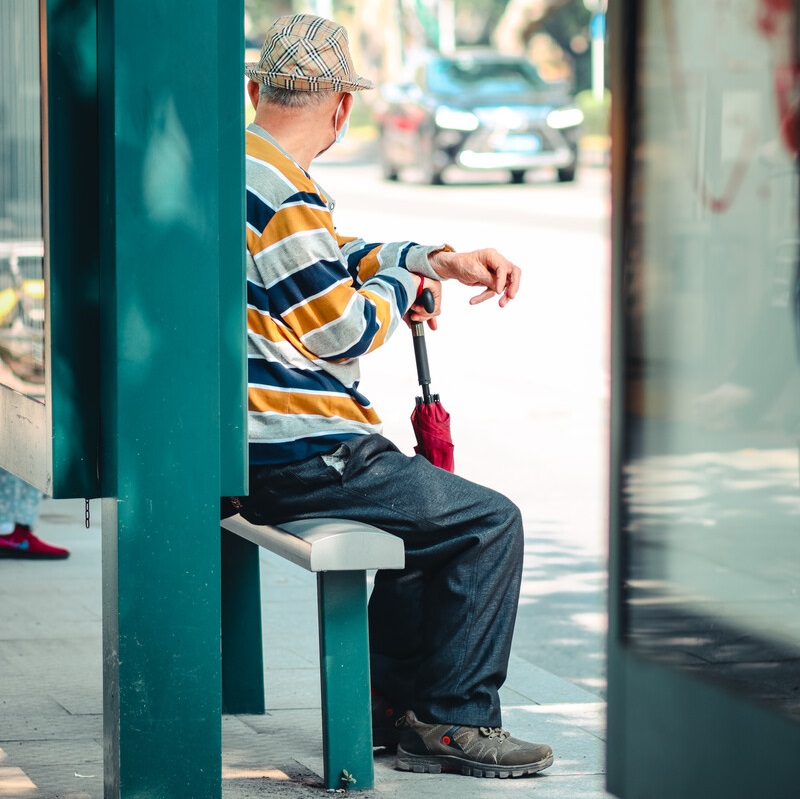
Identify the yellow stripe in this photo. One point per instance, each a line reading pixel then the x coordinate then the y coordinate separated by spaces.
pixel 265 326
pixel 285 402
pixel 368 266
pixel 259 148
pixel 287 221
pixel 384 313
pixel 331 305
pixel 321 310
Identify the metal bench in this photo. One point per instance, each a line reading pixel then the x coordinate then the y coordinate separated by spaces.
pixel 340 552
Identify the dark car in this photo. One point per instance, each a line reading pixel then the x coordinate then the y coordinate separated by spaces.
pixel 477 111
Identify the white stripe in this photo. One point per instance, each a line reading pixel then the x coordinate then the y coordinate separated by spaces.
pixel 309 392
pixel 285 354
pixel 314 255
pixel 275 171
pixel 330 335
pixel 293 427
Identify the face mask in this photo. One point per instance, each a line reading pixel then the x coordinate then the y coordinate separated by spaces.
pixel 343 131
pixel 340 135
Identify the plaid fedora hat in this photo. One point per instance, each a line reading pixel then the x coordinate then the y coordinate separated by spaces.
pixel 305 53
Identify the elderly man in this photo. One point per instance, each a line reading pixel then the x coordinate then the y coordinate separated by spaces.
pixel 440 630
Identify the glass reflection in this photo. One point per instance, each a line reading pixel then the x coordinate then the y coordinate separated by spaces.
pixel 21 238
pixel 712 484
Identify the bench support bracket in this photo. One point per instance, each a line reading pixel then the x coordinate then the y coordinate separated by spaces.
pixel 344 674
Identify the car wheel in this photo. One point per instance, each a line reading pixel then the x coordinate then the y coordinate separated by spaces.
pixel 567 174
pixel 517 176
pixel 389 170
pixel 431 172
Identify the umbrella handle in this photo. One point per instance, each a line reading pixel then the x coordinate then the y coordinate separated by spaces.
pixel 428 302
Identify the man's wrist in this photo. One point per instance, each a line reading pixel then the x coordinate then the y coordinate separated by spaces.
pixel 438 260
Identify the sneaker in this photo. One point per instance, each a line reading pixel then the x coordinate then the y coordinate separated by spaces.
pixel 388 723
pixel 22 543
pixel 472 751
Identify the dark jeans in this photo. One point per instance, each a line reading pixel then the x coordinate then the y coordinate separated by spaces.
pixel 440 629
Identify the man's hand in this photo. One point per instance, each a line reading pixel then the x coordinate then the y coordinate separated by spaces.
pixel 479 268
pixel 416 313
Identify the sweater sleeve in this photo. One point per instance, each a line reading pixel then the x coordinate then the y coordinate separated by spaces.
pixel 338 303
pixel 366 259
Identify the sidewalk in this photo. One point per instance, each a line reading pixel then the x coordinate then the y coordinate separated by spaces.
pixel 51 696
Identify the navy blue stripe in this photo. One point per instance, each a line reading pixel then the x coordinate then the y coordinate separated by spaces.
pixel 295 288
pixel 268 374
pixel 400 293
pixel 404 254
pixel 259 213
pixel 363 344
pixel 293 451
pixel 354 259
pixel 306 197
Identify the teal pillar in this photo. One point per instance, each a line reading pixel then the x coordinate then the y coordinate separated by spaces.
pixel 344 660
pixel 168 74
pixel 242 644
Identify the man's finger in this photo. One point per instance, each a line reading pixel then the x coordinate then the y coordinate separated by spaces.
pixel 512 286
pixel 483 296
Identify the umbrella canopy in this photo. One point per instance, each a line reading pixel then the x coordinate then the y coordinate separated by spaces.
pixel 431 424
pixel 429 420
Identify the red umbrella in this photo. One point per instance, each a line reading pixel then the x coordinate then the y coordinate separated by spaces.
pixel 430 421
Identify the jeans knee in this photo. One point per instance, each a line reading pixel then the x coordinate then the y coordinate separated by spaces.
pixel 507 524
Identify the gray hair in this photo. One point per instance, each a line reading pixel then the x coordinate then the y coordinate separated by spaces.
pixel 288 98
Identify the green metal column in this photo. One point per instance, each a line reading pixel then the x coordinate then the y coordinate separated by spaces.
pixel 344 660
pixel 242 644
pixel 167 242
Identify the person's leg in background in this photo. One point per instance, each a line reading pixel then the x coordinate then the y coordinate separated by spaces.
pixel 19 512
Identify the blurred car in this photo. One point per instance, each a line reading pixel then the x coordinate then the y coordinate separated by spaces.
pixel 477 110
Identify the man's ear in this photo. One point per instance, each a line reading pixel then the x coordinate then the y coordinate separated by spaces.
pixel 347 103
pixel 253 89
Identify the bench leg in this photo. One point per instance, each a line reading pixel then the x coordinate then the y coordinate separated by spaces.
pixel 242 647
pixel 344 674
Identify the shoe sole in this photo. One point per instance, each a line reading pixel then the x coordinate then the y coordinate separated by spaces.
pixel 26 554
pixel 437 764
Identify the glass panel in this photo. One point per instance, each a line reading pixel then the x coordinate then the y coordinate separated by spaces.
pixel 21 239
pixel 712 506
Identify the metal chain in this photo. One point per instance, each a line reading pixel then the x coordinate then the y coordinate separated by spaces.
pixel 88 517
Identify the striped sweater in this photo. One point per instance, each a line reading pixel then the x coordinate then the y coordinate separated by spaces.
pixel 315 302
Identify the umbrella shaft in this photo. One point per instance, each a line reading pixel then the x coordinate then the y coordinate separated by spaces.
pixel 421 356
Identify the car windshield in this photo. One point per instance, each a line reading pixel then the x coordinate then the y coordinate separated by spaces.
pixel 482 77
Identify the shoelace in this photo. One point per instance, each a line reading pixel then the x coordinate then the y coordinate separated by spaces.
pixel 495 732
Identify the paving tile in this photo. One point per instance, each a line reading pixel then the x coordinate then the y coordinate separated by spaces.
pixel 292 688
pixel 31 726
pixel 541 686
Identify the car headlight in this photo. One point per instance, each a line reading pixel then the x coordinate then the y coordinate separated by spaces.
pixel 562 118
pixel 453 119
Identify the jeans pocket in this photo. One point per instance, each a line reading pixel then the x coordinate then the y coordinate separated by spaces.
pixel 317 472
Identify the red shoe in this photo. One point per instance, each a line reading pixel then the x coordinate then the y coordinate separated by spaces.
pixel 22 543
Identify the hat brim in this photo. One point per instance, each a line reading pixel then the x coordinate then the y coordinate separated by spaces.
pixel 301 83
